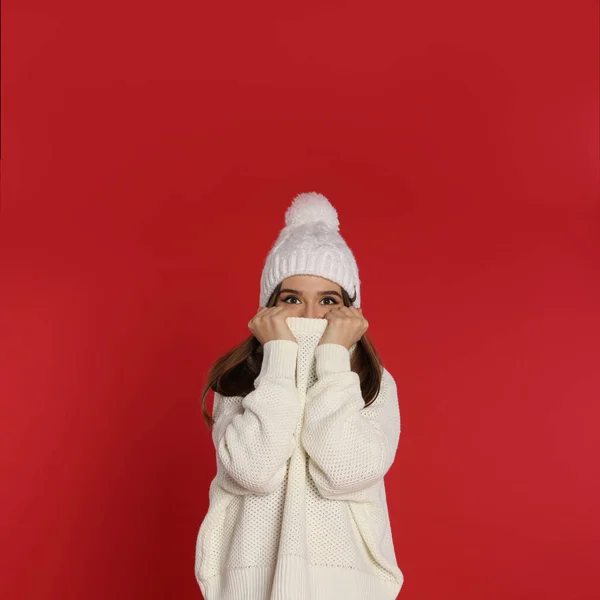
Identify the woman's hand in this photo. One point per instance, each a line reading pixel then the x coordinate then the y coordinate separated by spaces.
pixel 346 326
pixel 269 324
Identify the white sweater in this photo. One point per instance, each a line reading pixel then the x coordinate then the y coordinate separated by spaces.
pixel 297 509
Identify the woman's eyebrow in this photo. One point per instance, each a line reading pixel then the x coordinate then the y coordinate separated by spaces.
pixel 326 293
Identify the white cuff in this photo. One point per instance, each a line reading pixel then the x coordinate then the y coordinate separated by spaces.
pixel 332 358
pixel 279 359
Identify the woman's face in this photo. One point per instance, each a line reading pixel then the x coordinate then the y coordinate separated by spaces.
pixel 310 296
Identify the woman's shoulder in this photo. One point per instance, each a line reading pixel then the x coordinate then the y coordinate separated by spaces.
pixel 387 376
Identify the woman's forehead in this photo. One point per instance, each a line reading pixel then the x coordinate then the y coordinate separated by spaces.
pixel 309 282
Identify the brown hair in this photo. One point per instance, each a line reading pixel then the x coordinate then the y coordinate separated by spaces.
pixel 233 374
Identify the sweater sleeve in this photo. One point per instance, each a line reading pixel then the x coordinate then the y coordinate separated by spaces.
pixel 351 447
pixel 254 434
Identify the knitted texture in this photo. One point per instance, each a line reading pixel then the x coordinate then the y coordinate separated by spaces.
pixel 310 244
pixel 297 509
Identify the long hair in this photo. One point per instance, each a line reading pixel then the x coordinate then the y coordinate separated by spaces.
pixel 233 374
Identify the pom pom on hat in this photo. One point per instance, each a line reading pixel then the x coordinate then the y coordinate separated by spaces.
pixel 309 208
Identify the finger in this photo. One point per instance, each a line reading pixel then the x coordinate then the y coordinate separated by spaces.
pixel 282 310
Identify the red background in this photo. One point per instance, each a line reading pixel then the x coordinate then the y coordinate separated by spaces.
pixel 149 154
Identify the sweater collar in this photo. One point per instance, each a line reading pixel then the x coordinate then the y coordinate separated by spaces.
pixel 303 326
pixel 300 325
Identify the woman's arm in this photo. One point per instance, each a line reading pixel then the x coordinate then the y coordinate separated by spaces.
pixel 351 447
pixel 254 435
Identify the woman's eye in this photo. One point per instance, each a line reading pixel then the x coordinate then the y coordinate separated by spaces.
pixel 296 298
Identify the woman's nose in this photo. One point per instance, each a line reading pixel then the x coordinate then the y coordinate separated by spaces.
pixel 312 312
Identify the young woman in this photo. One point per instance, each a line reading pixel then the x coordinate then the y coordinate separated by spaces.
pixel 305 425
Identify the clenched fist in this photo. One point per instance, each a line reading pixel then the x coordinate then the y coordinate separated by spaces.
pixel 269 324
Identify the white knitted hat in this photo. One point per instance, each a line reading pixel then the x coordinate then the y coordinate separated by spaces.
pixel 310 244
